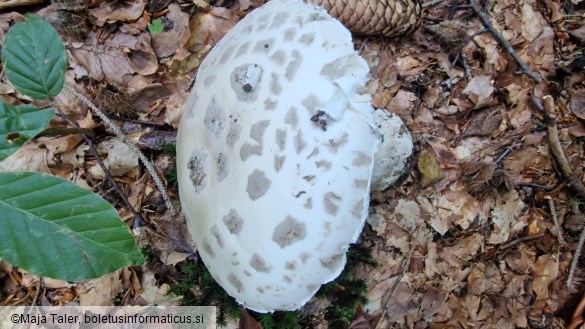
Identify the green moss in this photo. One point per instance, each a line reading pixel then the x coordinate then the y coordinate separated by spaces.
pixel 147 252
pixel 196 277
pixel 278 320
pixel 170 149
pixel 171 173
pixel 347 292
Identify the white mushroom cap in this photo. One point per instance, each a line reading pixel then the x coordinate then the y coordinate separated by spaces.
pixel 275 154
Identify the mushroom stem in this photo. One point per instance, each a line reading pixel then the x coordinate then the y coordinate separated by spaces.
pixel 391 159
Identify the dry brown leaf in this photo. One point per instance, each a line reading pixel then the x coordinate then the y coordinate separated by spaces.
pixel 155 295
pixel 175 257
pixel 100 292
pixel 505 216
pixel 154 93
pixel 360 321
pixel 247 321
pixel 485 279
pixel 412 65
pixel 30 157
pixel 141 57
pixel 578 33
pixel 430 170
pixel 174 107
pixel 545 271
pixel 166 43
pixel 109 63
pixel 491 49
pixel 479 90
pixel 131 10
pixel 402 302
pixel 578 103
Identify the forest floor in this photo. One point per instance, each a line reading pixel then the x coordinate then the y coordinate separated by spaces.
pixel 481 234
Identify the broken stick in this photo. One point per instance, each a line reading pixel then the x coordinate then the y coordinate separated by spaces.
pixel 503 42
pixel 573 182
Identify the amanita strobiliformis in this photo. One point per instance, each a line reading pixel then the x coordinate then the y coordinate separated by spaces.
pixel 276 152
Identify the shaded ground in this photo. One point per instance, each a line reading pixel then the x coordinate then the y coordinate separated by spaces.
pixel 468 241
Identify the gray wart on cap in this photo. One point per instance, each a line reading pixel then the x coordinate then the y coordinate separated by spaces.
pixel 275 154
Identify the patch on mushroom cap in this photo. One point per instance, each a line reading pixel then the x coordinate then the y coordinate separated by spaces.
pixel 258 184
pixel 279 133
pixel 289 231
pixel 245 81
pixel 198 169
pixel 233 222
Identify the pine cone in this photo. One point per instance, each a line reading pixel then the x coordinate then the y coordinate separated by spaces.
pixel 389 18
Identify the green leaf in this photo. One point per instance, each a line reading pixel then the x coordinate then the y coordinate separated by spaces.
pixel 34 58
pixel 19 124
pixel 53 228
pixel 156 26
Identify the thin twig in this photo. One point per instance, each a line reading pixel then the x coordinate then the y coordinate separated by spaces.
pixel 504 154
pixel 454 8
pixel 500 38
pixel 59 131
pixel 534 186
pixel 520 240
pixel 432 3
pixel 466 69
pixel 553 212
pixel 110 178
pixel 141 122
pixel 38 292
pixel 575 261
pixel 107 173
pixel 113 128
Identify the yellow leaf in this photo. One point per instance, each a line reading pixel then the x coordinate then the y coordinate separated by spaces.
pixel 430 170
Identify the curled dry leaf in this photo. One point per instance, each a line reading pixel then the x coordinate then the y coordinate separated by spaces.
pixel 103 62
pixel 545 271
pixel 578 103
pixel 430 170
pixel 132 10
pixel 141 57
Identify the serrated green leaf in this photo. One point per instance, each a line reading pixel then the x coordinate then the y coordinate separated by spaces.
pixel 53 228
pixel 156 26
pixel 19 124
pixel 34 58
